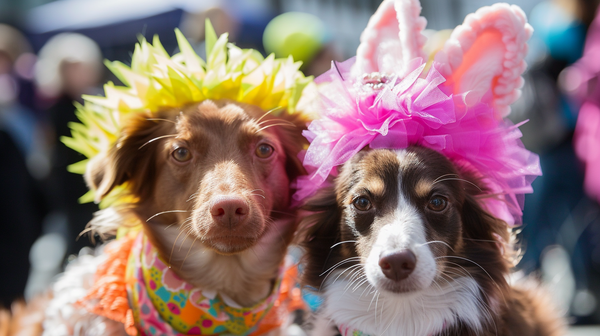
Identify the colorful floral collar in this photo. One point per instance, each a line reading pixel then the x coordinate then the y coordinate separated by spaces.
pixel 159 295
pixel 346 330
pixel 135 287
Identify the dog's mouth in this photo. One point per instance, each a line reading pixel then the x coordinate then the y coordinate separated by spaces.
pixel 230 244
pixel 401 287
pixel 227 240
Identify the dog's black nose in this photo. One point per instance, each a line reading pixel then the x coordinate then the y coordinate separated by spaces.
pixel 229 211
pixel 398 265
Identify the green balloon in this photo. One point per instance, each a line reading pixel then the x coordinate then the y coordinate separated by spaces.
pixel 301 35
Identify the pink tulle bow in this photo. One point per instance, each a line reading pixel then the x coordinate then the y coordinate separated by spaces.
pixel 417 111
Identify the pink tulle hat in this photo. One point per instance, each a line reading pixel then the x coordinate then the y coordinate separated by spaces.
pixel 389 97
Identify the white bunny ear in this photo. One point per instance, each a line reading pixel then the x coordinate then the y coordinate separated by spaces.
pixel 487 53
pixel 392 38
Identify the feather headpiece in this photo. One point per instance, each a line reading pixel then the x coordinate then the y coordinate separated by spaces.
pixel 156 81
pixel 387 98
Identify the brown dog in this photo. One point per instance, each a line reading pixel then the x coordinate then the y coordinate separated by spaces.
pixel 221 172
pixel 210 183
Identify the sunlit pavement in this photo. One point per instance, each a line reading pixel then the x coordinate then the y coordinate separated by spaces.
pixel 585 331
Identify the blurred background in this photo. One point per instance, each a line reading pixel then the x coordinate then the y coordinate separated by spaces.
pixel 51 53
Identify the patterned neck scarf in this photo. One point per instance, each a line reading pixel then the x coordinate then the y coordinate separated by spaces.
pixel 166 305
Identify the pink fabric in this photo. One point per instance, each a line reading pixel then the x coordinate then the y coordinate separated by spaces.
pixel 587 146
pixel 418 110
pixel 586 74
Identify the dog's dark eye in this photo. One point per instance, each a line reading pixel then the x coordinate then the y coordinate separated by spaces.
pixel 362 203
pixel 182 154
pixel 264 151
pixel 437 203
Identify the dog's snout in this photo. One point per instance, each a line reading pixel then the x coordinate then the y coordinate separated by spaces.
pixel 398 265
pixel 229 211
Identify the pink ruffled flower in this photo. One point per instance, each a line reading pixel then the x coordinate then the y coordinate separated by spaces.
pixel 417 111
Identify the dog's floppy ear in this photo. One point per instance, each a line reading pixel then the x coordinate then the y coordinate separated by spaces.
pixel 480 224
pixel 322 231
pixel 128 160
pixel 486 53
pixel 293 143
pixel 487 245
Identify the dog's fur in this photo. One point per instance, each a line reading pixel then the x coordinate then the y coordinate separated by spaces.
pixel 222 138
pixel 463 254
pixel 174 198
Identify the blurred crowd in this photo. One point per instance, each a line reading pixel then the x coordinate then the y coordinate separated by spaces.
pixel 51 54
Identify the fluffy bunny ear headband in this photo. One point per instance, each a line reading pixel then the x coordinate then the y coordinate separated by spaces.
pixel 386 98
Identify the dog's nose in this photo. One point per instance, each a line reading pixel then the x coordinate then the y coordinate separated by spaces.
pixel 229 211
pixel 398 265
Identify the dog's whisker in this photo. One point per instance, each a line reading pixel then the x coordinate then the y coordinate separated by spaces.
pixel 173 247
pixel 458 179
pixel 188 253
pixel 165 212
pixel 372 299
pixel 289 123
pixel 187 234
pixel 376 302
pixel 442 176
pixel 185 222
pixel 168 226
pixel 356 278
pixel 334 281
pixel 272 125
pixel 343 242
pixel 192 196
pixel 365 279
pixel 353 276
pixel 161 119
pixel 436 241
pixel 339 263
pixel 344 271
pixel 482 240
pixel 268 112
pixel 331 269
pixel 469 260
pixel 158 138
pixel 369 286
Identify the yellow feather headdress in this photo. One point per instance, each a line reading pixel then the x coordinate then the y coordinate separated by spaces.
pixel 156 81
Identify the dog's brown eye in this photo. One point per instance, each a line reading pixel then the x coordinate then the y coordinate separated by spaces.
pixel 182 154
pixel 437 203
pixel 362 203
pixel 264 151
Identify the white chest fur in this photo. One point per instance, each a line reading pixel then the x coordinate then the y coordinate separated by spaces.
pixel 422 313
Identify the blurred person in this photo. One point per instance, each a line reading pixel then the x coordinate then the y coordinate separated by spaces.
pixel 69 66
pixel 581 81
pixel 303 36
pixel 558 215
pixel 21 202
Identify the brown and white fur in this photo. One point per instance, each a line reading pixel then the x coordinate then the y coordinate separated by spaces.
pixel 211 183
pixel 401 246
